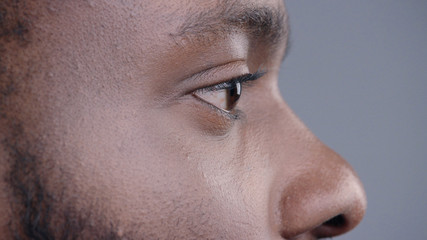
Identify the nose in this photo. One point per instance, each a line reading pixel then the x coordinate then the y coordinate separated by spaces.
pixel 317 192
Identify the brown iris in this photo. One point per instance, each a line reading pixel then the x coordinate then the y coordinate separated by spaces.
pixel 225 99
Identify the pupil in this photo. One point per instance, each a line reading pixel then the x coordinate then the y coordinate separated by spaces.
pixel 233 96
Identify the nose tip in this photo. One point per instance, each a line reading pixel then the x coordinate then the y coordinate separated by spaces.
pixel 325 199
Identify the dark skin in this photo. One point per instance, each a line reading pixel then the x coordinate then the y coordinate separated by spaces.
pixel 117 123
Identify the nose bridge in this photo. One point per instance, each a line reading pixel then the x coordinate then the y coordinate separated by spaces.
pixel 318 193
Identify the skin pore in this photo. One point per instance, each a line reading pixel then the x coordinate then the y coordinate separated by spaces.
pixel 102 136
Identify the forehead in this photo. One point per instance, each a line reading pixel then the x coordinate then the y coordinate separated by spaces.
pixel 156 17
pixel 144 30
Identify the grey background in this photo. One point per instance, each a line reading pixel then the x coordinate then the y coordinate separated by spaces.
pixel 356 74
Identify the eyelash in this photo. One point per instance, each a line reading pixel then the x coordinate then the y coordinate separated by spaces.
pixel 244 80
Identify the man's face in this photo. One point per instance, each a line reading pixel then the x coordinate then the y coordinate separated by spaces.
pixel 134 129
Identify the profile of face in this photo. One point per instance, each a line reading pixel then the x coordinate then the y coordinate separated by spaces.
pixel 143 119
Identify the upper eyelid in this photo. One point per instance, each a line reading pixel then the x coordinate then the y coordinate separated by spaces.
pixel 216 87
pixel 240 79
pixel 212 71
pixel 214 75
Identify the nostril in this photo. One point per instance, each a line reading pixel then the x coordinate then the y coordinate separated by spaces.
pixel 333 227
pixel 337 221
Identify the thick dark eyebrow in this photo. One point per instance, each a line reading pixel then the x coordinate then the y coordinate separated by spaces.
pixel 261 24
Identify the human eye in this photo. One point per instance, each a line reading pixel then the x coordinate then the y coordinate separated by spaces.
pixel 225 96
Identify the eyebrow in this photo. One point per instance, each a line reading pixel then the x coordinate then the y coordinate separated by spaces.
pixel 261 24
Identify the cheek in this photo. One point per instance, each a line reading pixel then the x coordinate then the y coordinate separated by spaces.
pixel 166 176
pixel 201 119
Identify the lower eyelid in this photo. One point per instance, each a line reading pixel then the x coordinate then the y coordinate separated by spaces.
pixel 235 114
pixel 207 118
